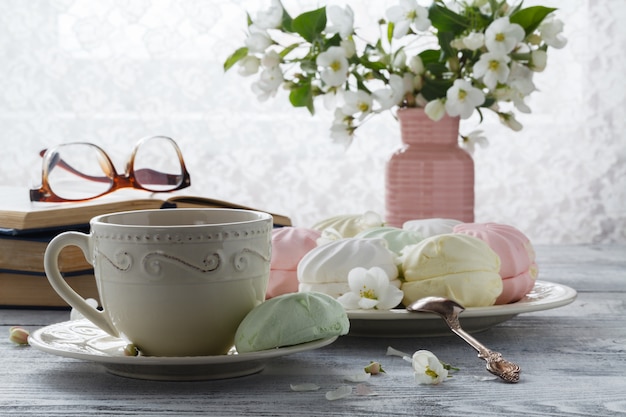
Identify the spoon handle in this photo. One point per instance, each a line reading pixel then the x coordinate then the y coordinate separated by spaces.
pixel 496 364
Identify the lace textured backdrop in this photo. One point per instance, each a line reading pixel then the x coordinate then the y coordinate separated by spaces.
pixel 112 72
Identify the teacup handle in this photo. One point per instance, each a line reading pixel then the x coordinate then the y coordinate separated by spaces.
pixel 51 266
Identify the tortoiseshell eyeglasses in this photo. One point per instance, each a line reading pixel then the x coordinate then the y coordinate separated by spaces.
pixel 82 171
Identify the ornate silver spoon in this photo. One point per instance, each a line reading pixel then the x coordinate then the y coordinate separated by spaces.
pixel 449 310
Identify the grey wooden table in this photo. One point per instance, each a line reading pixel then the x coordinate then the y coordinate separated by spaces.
pixel 573 360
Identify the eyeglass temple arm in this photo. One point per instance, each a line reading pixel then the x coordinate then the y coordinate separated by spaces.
pixel 146 175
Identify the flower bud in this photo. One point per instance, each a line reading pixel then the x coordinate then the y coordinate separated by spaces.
pixel 374 368
pixel 131 350
pixel 18 335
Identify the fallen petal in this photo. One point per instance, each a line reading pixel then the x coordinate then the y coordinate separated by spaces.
pixel 485 378
pixel 363 389
pixel 357 377
pixel 394 352
pixel 304 387
pixel 341 392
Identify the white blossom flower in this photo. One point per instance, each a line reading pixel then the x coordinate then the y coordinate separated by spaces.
pixel 399 60
pixel 550 30
pixel 435 109
pixel 502 36
pixel 249 65
pixel 270 18
pixel 393 94
pixel 474 41
pixel 268 83
pixel 470 141
pixel 509 120
pixel 335 66
pixel 258 39
pixel 518 86
pixel 538 60
pixel 271 59
pixel 428 369
pixel 340 20
pixel 370 288
pixel 357 102
pixel 349 46
pixel 406 14
pixel 463 98
pixel 341 134
pixel 493 68
pixel 416 65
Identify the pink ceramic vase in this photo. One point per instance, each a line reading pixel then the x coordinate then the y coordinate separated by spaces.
pixel 430 176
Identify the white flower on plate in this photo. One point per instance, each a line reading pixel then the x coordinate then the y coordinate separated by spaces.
pixel 406 14
pixel 428 369
pixel 502 36
pixel 370 289
pixel 335 66
pixel 463 98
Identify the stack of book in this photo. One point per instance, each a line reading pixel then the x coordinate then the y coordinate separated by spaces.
pixel 27 227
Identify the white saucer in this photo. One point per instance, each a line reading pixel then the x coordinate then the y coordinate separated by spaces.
pixel 402 323
pixel 81 339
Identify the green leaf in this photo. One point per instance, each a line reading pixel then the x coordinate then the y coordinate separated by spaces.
pixel 288 49
pixel 302 96
pixel 436 69
pixel 390 27
pixel 430 56
pixel 287 21
pixel 445 20
pixel 235 57
pixel 531 17
pixel 444 41
pixel 310 25
pixel 373 65
pixel 434 89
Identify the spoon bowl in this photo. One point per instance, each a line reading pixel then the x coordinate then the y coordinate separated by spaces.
pixel 438 305
pixel 449 310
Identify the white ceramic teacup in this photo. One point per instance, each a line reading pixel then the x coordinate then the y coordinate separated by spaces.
pixel 174 282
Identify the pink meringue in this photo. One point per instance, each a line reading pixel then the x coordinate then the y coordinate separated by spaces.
pixel 289 245
pixel 518 269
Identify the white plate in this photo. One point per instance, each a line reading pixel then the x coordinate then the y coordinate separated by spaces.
pixel 81 339
pixel 402 323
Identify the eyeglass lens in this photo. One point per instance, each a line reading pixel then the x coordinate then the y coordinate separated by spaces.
pixel 157 165
pixel 78 171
